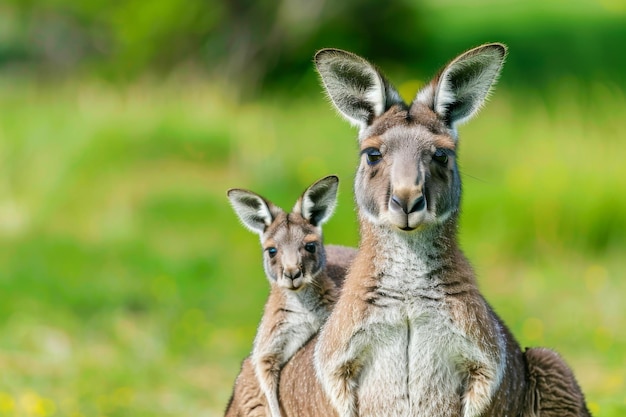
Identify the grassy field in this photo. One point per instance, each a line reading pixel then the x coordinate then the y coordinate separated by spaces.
pixel 128 287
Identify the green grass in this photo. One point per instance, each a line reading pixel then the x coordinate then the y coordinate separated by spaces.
pixel 128 287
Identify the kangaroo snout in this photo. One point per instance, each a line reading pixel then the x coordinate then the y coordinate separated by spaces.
pixel 292 277
pixel 292 273
pixel 407 205
pixel 406 189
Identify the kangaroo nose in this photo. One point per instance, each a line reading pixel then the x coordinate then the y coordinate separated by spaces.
pixel 407 205
pixel 292 274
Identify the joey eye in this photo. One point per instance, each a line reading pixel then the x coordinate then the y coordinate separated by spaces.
pixel 310 247
pixel 272 251
pixel 440 156
pixel 372 155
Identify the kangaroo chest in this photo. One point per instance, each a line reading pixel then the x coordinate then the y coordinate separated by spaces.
pixel 415 350
pixel 302 318
pixel 295 318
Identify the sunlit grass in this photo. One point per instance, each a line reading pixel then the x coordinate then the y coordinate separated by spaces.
pixel 128 287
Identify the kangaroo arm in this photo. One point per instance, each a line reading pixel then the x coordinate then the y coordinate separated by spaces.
pixel 339 357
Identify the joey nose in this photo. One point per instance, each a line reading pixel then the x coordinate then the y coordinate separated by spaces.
pixel 292 274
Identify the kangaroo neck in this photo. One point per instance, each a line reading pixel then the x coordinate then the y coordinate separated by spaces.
pixel 314 296
pixel 422 253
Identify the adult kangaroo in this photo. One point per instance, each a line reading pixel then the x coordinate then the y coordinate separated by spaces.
pixel 411 335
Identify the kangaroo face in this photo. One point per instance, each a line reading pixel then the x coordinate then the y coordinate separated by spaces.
pixel 293 253
pixel 407 175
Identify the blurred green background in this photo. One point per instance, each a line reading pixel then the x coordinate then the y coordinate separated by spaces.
pixel 127 285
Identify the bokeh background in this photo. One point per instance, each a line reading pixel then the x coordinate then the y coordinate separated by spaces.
pixel 127 285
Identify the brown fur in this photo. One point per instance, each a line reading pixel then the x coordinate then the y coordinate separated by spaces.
pixel 294 258
pixel 553 390
pixel 299 394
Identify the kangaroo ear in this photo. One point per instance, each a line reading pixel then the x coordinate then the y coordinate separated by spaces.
pixel 254 212
pixel 464 84
pixel 354 86
pixel 319 201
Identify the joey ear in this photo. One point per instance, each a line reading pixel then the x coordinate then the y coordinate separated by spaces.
pixel 354 86
pixel 253 210
pixel 464 84
pixel 319 201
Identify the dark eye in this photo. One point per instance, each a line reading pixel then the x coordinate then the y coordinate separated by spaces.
pixel 373 156
pixel 440 156
pixel 310 247
pixel 272 251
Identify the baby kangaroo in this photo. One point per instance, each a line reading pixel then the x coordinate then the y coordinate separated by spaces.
pixel 302 291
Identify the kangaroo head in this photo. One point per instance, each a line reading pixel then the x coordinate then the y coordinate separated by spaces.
pixel 293 252
pixel 408 176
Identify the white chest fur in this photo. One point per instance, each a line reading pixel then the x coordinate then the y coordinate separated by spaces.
pixel 418 360
pixel 414 348
pixel 301 315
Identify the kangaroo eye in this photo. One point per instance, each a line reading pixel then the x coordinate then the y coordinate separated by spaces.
pixel 440 156
pixel 310 247
pixel 272 251
pixel 373 156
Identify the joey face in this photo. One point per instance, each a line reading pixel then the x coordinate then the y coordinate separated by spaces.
pixel 293 253
pixel 407 177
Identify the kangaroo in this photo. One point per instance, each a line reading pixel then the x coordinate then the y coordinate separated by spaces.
pixel 303 287
pixel 300 394
pixel 410 334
